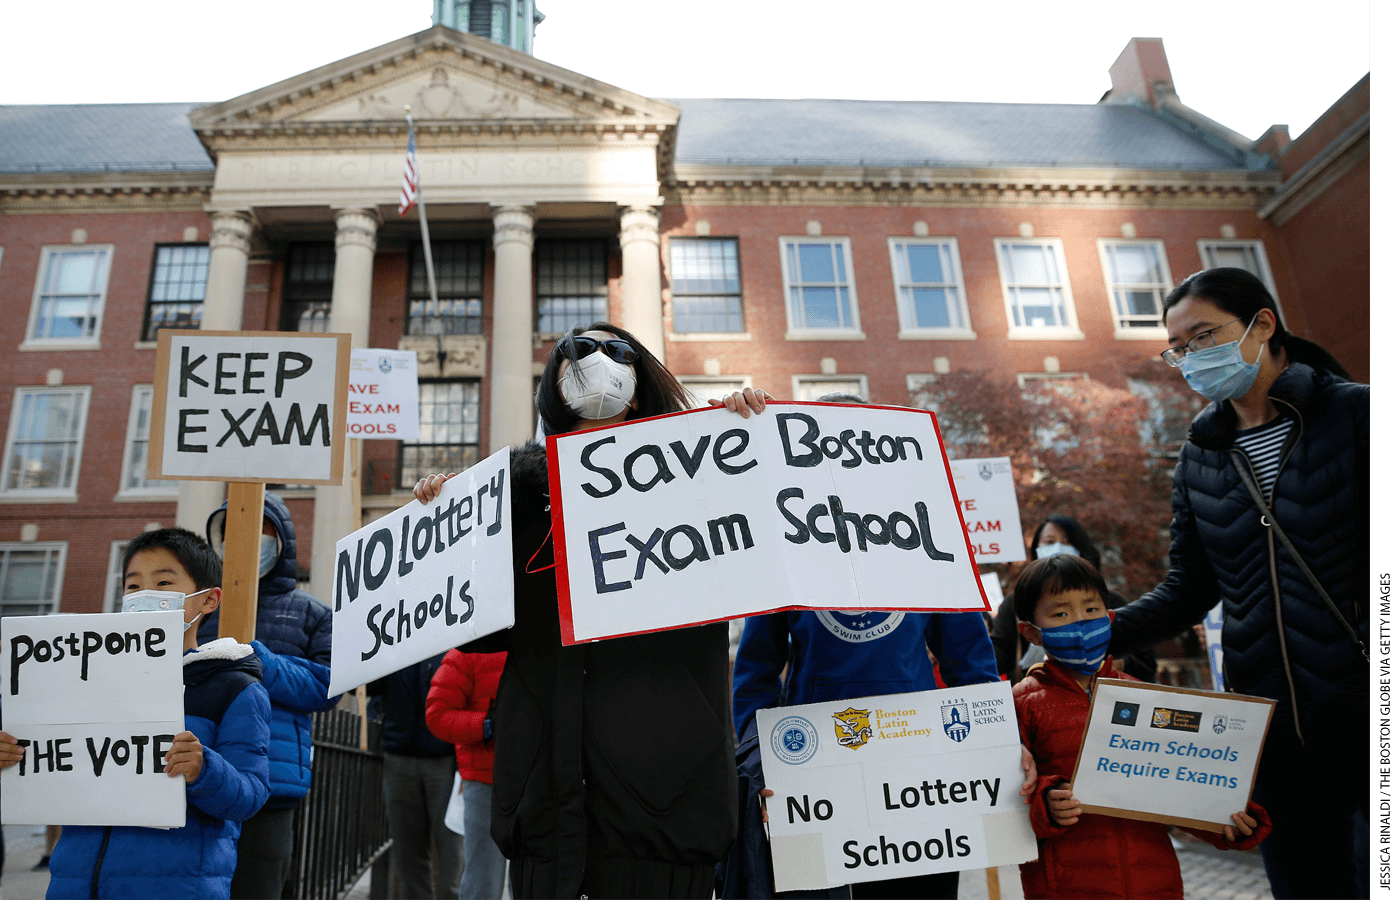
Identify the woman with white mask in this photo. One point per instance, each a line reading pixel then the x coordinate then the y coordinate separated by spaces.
pixel 614 766
pixel 1271 518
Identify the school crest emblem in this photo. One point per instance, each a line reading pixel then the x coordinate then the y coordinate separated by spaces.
pixel 385 365
pixel 985 470
pixel 956 723
pixel 1219 725
pixel 852 727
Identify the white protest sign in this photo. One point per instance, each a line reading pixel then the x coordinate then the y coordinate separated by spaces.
pixel 249 406
pixel 424 579
pixel 1168 754
pixel 991 586
pixel 1215 645
pixel 893 786
pixel 95 701
pixel 703 516
pixel 383 395
pixel 987 492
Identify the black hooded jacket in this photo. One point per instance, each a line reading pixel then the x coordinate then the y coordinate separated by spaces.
pixel 612 754
pixel 1220 551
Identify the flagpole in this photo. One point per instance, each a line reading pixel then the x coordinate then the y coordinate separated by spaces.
pixel 423 227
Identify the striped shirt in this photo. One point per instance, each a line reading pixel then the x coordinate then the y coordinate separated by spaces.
pixel 1264 446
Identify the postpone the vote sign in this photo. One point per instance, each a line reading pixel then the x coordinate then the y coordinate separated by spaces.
pixel 703 516
pixel 893 786
pixel 987 493
pixel 1169 754
pixel 383 395
pixel 95 701
pixel 424 579
pixel 249 406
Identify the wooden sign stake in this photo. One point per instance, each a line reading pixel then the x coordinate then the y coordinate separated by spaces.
pixel 238 616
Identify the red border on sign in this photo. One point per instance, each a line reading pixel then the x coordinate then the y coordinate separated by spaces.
pixel 561 561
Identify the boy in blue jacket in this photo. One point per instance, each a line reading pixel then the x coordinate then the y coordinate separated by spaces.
pixel 222 754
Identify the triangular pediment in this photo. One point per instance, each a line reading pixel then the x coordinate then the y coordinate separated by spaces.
pixel 444 75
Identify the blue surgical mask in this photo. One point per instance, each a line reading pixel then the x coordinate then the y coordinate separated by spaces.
pixel 1048 550
pixel 157 601
pixel 1220 372
pixel 267 554
pixel 1081 645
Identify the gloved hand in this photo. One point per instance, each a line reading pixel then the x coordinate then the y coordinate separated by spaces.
pixel 487 729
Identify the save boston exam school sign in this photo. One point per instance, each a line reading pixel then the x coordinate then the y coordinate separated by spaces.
pixel 703 516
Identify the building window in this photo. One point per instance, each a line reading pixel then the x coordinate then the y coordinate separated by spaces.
pixel 116 578
pixel 306 288
pixel 821 295
pixel 705 387
pixel 45 441
pixel 1247 255
pixel 448 431
pixel 69 294
pixel 1135 273
pixel 810 387
pixel 1035 286
pixel 138 438
pixel 458 267
pixel 571 284
pixel 706 296
pixel 31 578
pixel 176 300
pixel 929 286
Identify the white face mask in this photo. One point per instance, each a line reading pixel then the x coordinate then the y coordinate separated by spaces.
pixel 596 387
pixel 156 601
pixel 1047 550
pixel 267 554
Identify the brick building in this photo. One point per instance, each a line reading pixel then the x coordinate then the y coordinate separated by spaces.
pixel 799 245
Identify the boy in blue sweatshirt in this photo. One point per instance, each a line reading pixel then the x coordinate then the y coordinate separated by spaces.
pixel 221 754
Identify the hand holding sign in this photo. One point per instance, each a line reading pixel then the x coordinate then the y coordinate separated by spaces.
pixel 185 757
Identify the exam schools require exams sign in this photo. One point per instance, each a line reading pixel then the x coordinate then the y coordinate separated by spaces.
pixel 887 787
pixel 704 515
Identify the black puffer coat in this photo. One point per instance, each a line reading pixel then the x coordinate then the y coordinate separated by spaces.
pixel 614 756
pixel 1221 551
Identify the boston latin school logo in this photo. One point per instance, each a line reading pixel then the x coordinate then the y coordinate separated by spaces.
pixel 956 723
pixel 385 365
pixel 852 727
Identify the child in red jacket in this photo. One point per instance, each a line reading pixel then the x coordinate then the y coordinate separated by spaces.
pixel 1060 605
pixel 460 703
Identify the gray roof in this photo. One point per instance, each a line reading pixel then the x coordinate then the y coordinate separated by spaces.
pixel 895 133
pixel 122 137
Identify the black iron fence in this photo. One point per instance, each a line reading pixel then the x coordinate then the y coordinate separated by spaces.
pixel 341 827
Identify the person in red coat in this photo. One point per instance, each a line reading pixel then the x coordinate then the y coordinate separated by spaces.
pixel 1060 602
pixel 461 703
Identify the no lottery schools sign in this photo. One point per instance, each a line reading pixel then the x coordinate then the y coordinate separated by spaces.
pixel 249 406
pixel 95 701
pixel 702 516
pixel 893 786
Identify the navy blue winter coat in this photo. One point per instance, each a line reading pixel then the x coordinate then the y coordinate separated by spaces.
pixel 226 707
pixel 403 697
pixel 1220 552
pixel 294 646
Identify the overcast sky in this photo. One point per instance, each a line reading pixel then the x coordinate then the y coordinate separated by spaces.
pixel 1245 64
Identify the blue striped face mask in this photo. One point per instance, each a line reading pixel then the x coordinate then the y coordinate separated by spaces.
pixel 1080 646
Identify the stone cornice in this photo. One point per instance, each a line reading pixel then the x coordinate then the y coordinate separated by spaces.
pixel 88 192
pixel 927 186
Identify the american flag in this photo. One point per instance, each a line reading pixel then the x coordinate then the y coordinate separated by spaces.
pixel 408 190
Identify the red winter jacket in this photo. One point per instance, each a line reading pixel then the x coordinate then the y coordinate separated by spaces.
pixel 462 691
pixel 1098 856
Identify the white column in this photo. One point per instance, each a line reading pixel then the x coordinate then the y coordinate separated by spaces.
pixel 336 513
pixel 512 329
pixel 229 245
pixel 641 277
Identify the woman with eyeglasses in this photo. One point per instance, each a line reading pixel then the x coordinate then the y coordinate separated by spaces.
pixel 614 771
pixel 1270 515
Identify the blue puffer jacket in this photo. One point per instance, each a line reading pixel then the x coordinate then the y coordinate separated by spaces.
pixel 841 654
pixel 1220 551
pixel 294 646
pixel 226 707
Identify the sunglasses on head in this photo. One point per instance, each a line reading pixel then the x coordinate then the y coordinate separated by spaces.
pixel 616 349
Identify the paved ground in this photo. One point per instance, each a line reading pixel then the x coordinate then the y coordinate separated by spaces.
pixel 1207 873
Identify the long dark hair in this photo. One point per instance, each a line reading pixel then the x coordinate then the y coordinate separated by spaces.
pixel 658 391
pixel 1076 534
pixel 1239 293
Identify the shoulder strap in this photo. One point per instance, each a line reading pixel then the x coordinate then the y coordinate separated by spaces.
pixel 1271 522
